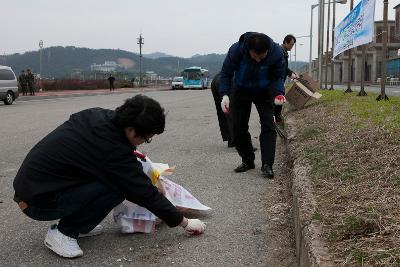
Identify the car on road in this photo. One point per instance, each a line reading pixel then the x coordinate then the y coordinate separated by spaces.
pixel 177 83
pixel 8 85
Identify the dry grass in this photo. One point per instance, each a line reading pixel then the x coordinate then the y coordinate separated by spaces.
pixel 353 145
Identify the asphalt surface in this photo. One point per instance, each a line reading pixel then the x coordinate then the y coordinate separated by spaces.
pixel 250 223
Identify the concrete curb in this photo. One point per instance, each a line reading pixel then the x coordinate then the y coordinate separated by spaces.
pixel 311 250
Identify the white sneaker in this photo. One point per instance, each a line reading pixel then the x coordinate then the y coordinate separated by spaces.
pixel 61 244
pixel 96 231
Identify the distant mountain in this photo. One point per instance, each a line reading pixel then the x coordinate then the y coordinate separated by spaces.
pixel 156 55
pixel 61 62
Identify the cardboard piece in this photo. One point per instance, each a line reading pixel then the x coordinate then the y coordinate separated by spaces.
pixel 302 90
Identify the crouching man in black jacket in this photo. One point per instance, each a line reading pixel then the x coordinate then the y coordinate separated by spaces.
pixel 85 167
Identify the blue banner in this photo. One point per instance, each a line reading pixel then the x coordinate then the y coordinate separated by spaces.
pixel 356 29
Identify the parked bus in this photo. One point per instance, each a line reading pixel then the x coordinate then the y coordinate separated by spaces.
pixel 195 78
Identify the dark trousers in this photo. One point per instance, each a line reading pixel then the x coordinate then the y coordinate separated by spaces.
pixel 277 111
pixel 112 86
pixel 79 208
pixel 31 89
pixel 24 89
pixel 242 101
pixel 225 120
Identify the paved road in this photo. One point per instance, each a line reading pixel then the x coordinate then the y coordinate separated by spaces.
pixel 390 90
pixel 250 223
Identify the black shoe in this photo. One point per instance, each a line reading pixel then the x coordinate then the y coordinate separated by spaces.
pixel 245 167
pixel 267 171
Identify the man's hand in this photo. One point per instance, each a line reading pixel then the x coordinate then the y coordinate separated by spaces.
pixel 280 100
pixel 193 226
pixel 294 75
pixel 225 104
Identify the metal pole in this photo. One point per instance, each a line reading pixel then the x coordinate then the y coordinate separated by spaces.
pixel 333 43
pixel 40 64
pixel 310 55
pixel 295 57
pixel 349 63
pixel 362 91
pixel 383 95
pixel 320 41
pixel 327 45
pixel 140 43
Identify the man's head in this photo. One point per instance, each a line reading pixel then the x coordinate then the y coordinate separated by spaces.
pixel 258 45
pixel 289 42
pixel 28 70
pixel 140 117
pixel 22 71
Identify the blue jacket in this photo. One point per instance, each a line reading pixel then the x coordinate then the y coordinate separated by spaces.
pixel 252 76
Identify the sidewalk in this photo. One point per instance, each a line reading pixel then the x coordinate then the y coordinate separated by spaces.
pixel 61 93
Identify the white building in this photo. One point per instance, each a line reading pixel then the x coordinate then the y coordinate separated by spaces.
pixel 108 66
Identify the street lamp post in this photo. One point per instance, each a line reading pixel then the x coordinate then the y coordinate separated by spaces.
pixel 327 45
pixel 311 35
pixel 321 34
pixel 140 42
pixel 40 64
pixel 333 42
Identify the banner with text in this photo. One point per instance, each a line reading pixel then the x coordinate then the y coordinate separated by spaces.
pixel 356 29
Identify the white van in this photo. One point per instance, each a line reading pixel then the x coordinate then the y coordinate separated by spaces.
pixel 8 85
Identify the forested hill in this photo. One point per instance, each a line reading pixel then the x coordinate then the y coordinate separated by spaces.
pixel 60 62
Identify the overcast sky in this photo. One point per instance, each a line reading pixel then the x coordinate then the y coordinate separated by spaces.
pixel 176 27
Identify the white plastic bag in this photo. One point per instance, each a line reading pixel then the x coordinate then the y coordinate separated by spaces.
pixel 132 218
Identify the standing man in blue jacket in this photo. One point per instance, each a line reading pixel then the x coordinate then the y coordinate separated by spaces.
pixel 257 66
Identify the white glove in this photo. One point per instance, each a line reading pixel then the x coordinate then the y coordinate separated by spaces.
pixel 279 100
pixel 195 227
pixel 225 104
pixel 294 75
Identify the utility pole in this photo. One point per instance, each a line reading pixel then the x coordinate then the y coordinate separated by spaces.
pixel 349 63
pixel 320 40
pixel 333 42
pixel 327 45
pixel 40 64
pixel 140 42
pixel 383 95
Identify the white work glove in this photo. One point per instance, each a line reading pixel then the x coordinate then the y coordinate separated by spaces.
pixel 195 227
pixel 294 75
pixel 279 100
pixel 225 104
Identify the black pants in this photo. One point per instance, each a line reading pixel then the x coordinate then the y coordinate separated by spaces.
pixel 79 208
pixel 31 89
pixel 24 89
pixel 242 101
pixel 277 111
pixel 225 120
pixel 112 86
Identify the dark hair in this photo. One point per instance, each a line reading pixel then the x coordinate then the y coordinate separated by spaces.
pixel 258 42
pixel 289 38
pixel 142 113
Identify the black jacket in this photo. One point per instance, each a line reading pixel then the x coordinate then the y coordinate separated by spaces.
pixel 288 72
pixel 89 147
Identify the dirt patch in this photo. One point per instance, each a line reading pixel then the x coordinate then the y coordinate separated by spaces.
pixel 355 175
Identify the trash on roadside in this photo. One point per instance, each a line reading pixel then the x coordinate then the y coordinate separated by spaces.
pixel 302 90
pixel 132 218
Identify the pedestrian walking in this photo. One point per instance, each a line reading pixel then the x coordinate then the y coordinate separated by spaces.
pixel 22 79
pixel 84 168
pixel 30 78
pixel 257 67
pixel 111 80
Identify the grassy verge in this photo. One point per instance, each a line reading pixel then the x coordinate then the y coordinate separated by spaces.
pixel 353 146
